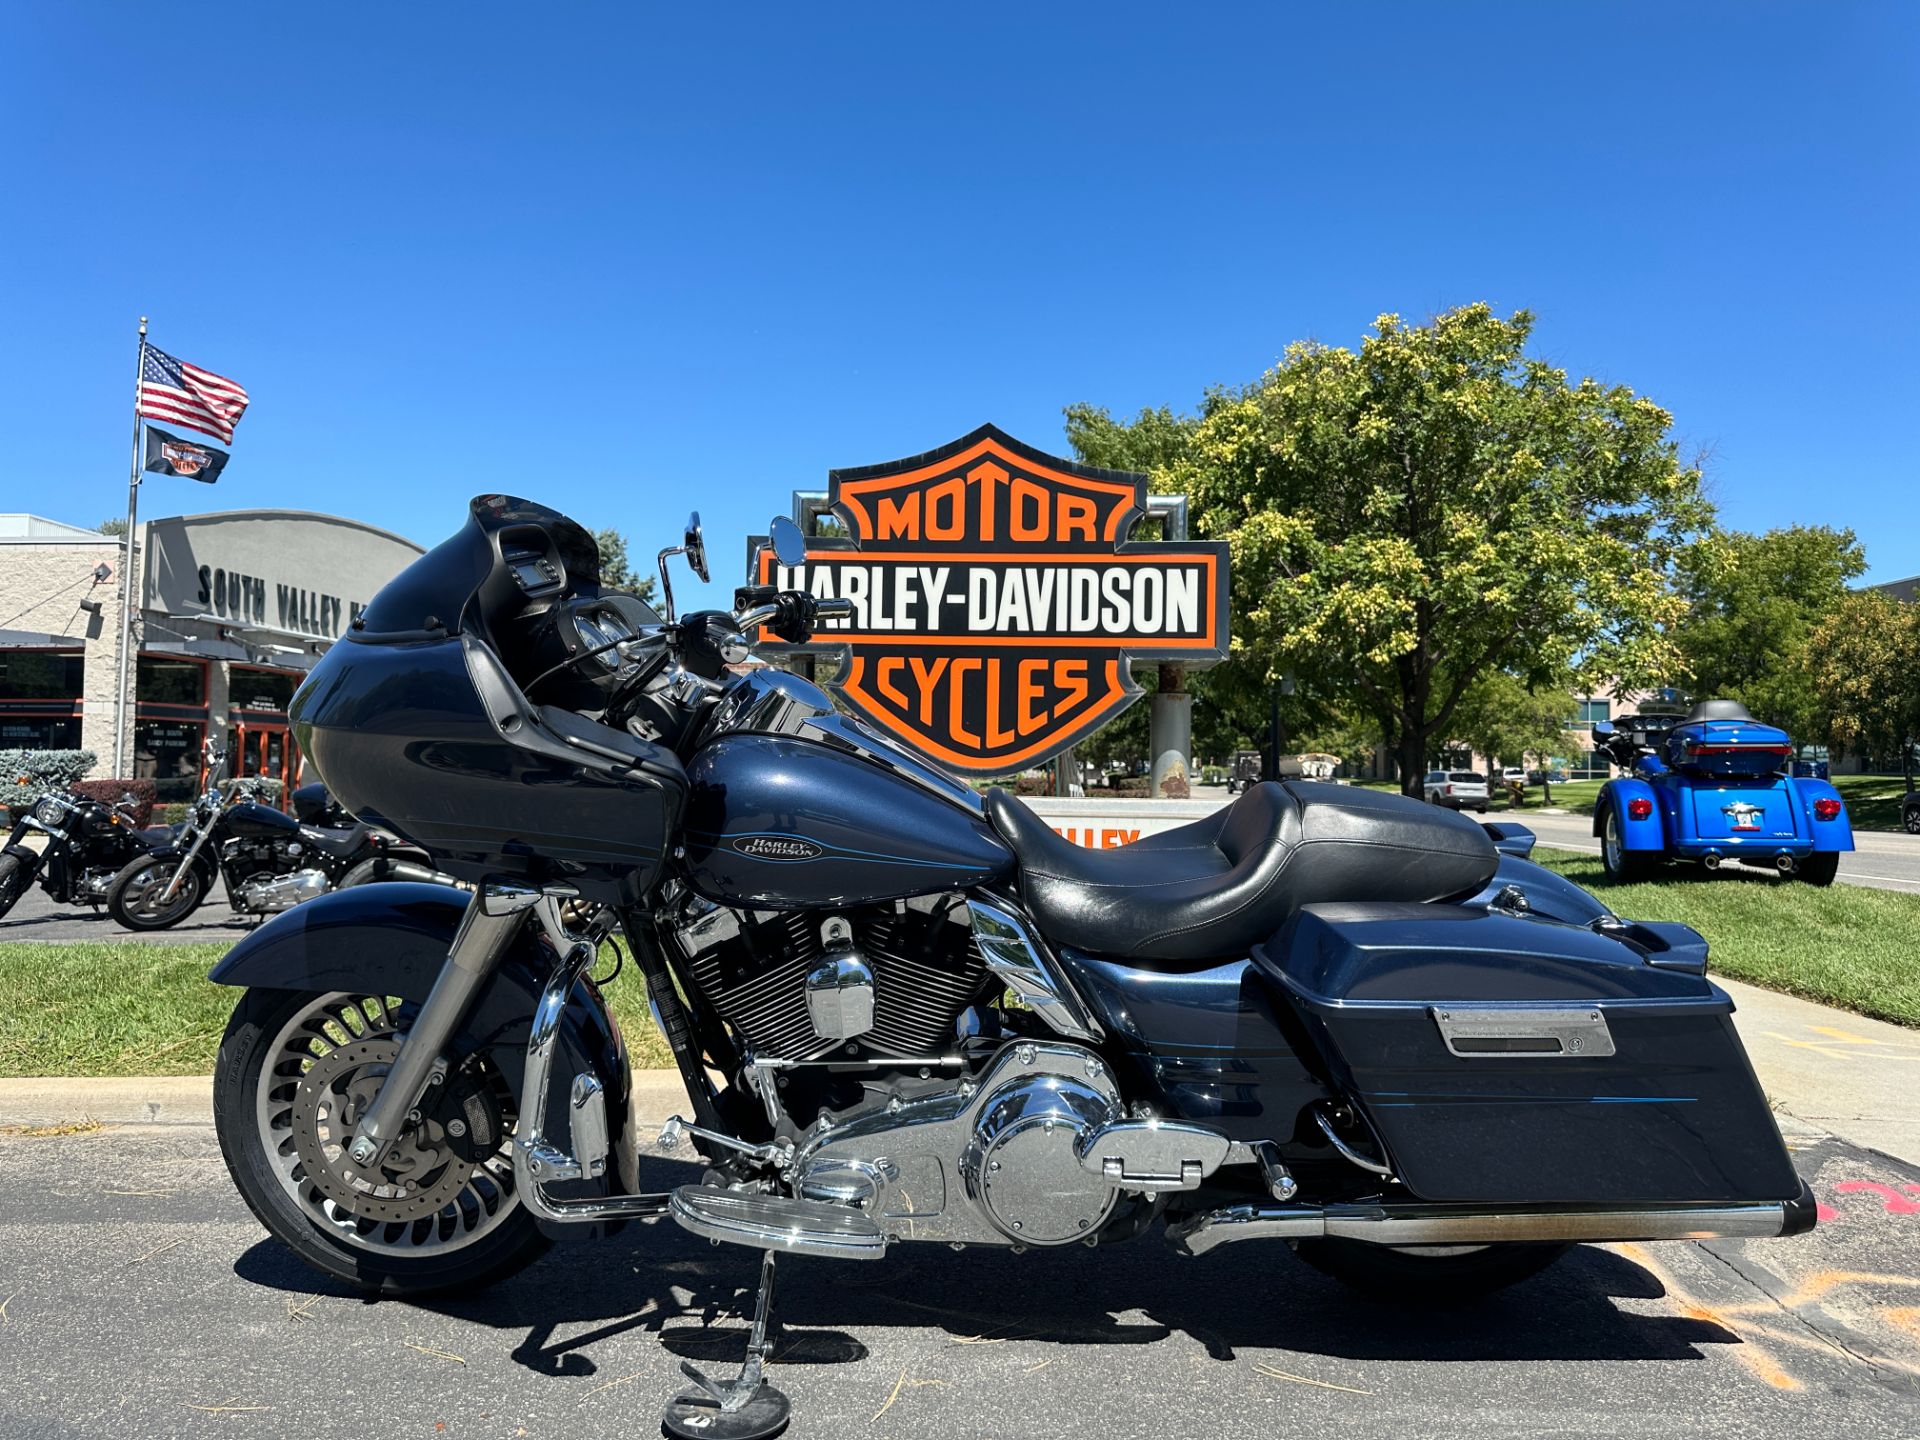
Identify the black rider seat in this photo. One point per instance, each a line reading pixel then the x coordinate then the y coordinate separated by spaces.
pixel 337 843
pixel 1220 885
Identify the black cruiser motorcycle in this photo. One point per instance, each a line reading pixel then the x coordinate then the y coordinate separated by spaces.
pixel 269 860
pixel 74 846
pixel 1325 1017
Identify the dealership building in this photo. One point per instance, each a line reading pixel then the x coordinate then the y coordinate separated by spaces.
pixel 233 609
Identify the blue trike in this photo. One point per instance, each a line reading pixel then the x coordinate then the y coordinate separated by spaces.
pixel 1714 785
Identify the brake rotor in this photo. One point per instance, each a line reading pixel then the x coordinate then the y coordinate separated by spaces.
pixel 421 1174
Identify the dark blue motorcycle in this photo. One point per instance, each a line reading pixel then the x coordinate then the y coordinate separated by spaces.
pixel 1714 785
pixel 1325 1017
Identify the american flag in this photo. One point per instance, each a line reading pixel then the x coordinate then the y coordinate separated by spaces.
pixel 184 394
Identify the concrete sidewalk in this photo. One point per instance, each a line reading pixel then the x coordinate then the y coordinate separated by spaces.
pixel 1855 1077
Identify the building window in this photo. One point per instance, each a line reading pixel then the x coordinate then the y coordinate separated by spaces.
pixel 40 675
pixel 160 681
pixel 20 732
pixel 1592 710
pixel 167 752
pixel 259 689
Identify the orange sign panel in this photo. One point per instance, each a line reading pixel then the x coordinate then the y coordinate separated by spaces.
pixel 997 599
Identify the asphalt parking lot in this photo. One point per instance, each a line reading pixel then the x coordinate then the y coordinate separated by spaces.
pixel 35 917
pixel 139 1298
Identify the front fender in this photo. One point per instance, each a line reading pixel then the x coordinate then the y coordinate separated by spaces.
pixel 1834 834
pixel 208 867
pixel 1634 834
pixel 392 939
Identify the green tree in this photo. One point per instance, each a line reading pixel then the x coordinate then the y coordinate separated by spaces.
pixel 1153 442
pixel 616 572
pixel 1865 667
pixel 1438 505
pixel 1504 720
pixel 1753 605
pixel 116 527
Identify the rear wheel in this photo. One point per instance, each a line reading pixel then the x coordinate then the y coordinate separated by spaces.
pixel 1820 868
pixel 1428 1274
pixel 296 1071
pixel 14 879
pixel 137 897
pixel 1621 864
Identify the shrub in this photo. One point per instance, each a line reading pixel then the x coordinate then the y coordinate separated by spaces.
pixel 108 792
pixel 173 814
pixel 26 775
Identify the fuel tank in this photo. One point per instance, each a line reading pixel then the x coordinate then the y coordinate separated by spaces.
pixel 248 821
pixel 794 822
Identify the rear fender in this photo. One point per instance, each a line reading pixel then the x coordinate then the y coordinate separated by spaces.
pixel 392 939
pixel 1634 834
pixel 1834 834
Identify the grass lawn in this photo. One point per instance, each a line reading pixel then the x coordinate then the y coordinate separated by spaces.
pixel 133 1008
pixel 1844 945
pixel 1578 795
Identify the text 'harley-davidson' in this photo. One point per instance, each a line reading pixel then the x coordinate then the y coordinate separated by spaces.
pixel 269 860
pixel 1329 1016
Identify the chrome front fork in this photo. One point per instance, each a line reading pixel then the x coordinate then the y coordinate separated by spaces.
pixel 493 918
pixel 186 861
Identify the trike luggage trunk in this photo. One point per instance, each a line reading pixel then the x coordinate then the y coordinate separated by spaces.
pixel 1507 1059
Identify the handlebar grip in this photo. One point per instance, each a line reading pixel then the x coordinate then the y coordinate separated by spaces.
pixel 833 609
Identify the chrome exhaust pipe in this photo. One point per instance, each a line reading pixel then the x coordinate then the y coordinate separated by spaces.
pixel 1467 1225
pixel 1711 860
pixel 1785 862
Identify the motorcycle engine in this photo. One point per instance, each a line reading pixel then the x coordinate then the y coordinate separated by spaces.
pixel 267 876
pixel 874 980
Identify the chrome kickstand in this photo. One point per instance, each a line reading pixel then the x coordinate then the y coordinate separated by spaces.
pixel 745 1407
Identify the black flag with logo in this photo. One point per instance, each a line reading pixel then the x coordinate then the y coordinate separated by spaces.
pixel 168 454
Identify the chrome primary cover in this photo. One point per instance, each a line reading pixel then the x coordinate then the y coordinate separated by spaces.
pixel 994 1163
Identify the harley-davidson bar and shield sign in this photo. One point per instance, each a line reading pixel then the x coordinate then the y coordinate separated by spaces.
pixel 997 601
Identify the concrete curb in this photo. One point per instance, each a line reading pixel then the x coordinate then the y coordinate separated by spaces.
pixel 188 1100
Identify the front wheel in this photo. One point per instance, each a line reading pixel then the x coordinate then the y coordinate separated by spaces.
pixel 1820 868
pixel 1428 1274
pixel 137 897
pixel 1622 865
pixel 296 1072
pixel 15 877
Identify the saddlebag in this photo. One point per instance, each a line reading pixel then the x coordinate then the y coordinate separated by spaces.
pixel 1503 1058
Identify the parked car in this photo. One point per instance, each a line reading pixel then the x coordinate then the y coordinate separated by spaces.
pixel 1456 789
pixel 1246 771
pixel 1910 813
pixel 1513 775
pixel 1546 777
pixel 1711 786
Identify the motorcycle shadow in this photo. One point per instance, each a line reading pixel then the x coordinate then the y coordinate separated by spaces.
pixel 695 1298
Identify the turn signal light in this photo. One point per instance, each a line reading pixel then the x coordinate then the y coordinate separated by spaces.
pixel 1828 809
pixel 1639 809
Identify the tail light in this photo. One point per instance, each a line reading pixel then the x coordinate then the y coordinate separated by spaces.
pixel 1827 809
pixel 1639 809
pixel 1447 791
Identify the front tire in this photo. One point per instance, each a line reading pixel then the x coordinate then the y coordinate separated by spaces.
pixel 1820 868
pixel 134 898
pixel 1428 1275
pixel 481 1234
pixel 1623 866
pixel 14 879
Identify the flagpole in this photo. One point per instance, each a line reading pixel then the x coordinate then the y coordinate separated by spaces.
pixel 120 724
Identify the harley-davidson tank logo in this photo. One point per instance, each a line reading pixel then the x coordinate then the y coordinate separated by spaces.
pixel 997 599
pixel 1742 815
pixel 778 847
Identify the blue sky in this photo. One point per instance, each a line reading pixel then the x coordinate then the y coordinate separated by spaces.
pixel 629 260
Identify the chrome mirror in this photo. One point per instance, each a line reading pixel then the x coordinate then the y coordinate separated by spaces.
pixel 696 547
pixel 789 545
